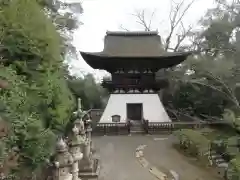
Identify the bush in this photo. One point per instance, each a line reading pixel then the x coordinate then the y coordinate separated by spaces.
pixel 36 102
pixel 233 171
pixel 193 142
pixel 232 146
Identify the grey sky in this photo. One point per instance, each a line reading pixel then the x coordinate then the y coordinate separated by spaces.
pixel 102 15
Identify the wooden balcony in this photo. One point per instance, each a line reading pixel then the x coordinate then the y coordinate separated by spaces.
pixel 155 85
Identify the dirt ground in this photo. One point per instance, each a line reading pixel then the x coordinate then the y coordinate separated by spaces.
pixel 118 161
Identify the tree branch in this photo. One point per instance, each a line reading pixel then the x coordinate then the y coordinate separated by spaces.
pixel 176 16
pixel 174 21
pixel 142 21
pixel 182 36
pixel 123 28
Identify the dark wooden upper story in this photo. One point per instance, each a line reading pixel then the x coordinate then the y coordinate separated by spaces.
pixel 141 87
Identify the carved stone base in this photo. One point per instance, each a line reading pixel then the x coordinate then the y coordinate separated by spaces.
pixel 92 172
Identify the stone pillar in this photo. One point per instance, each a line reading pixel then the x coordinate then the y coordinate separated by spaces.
pixel 89 133
pixel 87 155
pixel 75 149
pixel 62 162
pixel 78 113
pixel 88 167
pixel 89 128
pixel 79 107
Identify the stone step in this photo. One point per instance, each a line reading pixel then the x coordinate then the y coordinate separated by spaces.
pixel 219 161
pixel 137 129
pixel 223 165
pixel 136 133
pixel 140 125
pixel 216 157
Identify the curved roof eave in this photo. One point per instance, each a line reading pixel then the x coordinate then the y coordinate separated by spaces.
pixel 101 61
pixel 101 55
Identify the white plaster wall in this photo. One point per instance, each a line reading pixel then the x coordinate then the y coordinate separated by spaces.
pixel 153 109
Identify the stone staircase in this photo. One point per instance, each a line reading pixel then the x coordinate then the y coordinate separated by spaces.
pixel 220 164
pixel 137 127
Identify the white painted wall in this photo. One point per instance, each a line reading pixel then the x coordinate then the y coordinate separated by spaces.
pixel 153 109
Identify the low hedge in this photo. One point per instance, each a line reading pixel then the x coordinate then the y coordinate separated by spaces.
pixel 193 142
pixel 233 171
pixel 228 148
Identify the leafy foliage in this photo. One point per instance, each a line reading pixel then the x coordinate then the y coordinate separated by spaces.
pixel 35 100
pixel 234 169
pixel 214 72
pixel 91 93
pixel 193 142
pixel 29 135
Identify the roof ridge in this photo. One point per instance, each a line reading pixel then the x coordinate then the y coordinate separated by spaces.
pixel 132 33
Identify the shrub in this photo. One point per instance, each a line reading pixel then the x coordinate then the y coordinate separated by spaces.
pixel 233 171
pixel 193 142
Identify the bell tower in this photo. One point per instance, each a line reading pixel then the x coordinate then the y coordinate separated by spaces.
pixel 133 58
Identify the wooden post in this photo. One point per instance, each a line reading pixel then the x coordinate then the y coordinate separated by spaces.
pixel 105 131
pixel 129 127
pixel 146 126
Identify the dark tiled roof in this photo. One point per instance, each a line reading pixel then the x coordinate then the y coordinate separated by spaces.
pixel 142 49
pixel 133 44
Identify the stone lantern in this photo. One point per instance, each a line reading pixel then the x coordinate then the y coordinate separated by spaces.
pixel 75 149
pixel 62 162
pixel 88 166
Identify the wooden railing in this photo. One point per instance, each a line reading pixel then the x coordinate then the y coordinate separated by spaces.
pixel 95 115
pixel 149 127
pixel 169 127
pixel 112 129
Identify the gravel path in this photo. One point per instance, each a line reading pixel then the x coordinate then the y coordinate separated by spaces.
pixel 118 161
pixel 162 155
pixel 117 158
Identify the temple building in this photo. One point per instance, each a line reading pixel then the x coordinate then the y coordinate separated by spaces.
pixel 133 58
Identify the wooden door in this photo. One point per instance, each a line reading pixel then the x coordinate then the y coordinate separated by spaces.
pixel 134 111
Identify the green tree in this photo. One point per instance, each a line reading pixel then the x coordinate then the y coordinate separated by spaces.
pixel 35 99
pixel 91 93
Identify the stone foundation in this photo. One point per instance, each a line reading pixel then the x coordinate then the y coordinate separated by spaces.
pixel 90 172
pixel 153 109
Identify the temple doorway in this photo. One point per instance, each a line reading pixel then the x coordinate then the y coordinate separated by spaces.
pixel 134 111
